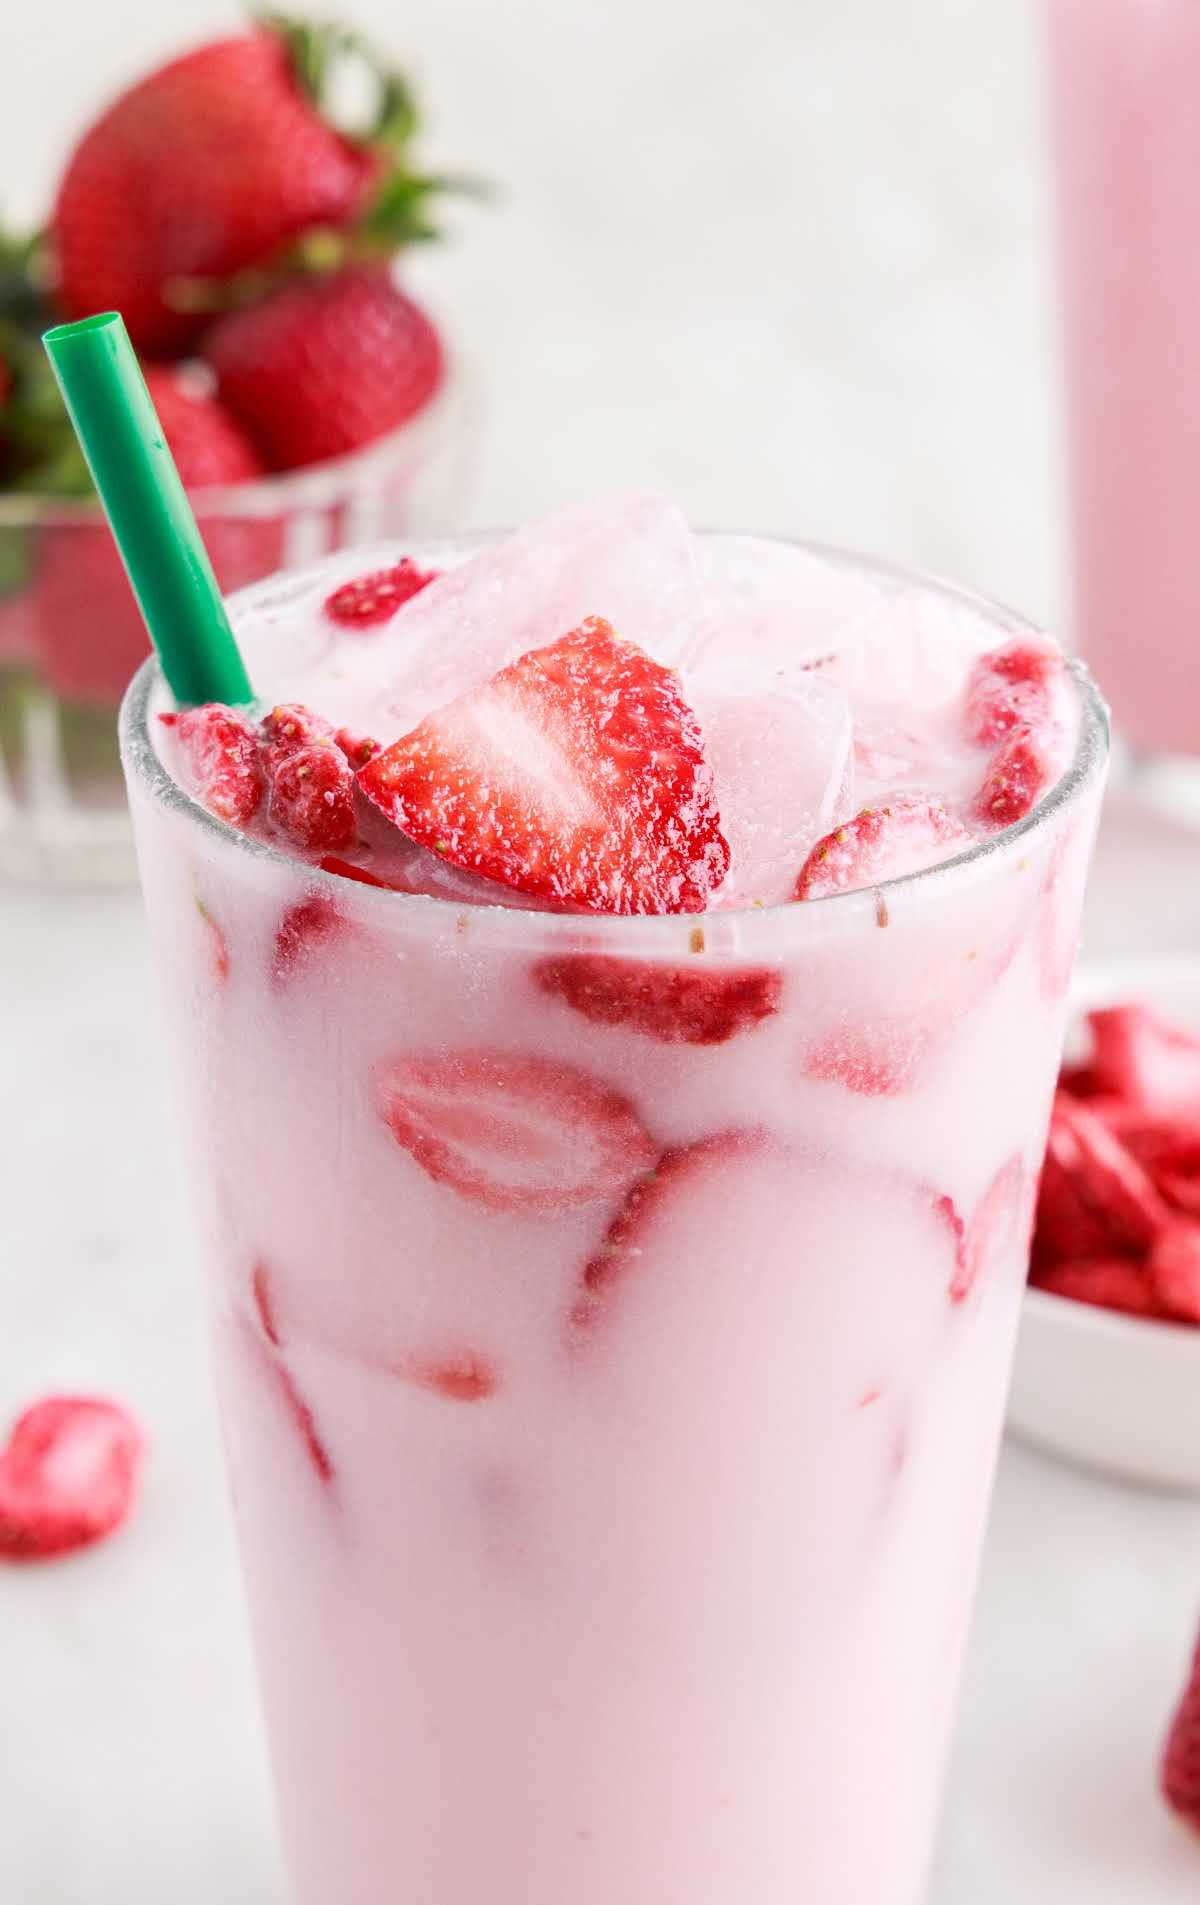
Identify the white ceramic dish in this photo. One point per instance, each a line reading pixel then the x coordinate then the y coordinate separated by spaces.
pixel 1115 1393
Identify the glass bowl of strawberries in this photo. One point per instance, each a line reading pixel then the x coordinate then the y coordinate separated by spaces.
pixel 1108 1368
pixel 252 243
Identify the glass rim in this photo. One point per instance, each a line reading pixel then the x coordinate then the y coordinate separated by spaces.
pixel 316 486
pixel 722 926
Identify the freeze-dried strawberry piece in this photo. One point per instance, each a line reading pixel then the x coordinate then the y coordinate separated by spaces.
pixel 1109 1178
pixel 1021 770
pixel 903 834
pixel 674 1004
pixel 1067 1227
pixel 1170 1151
pixel 995 1225
pixel 465 1377
pixel 270 1348
pixel 67 1477
pixel 219 760
pixel 512 1132
pixel 575 775
pixel 1008 688
pixel 371 599
pixel 1149 1063
pixel 1110 1283
pixel 307 925
pixel 289 727
pixel 1180 1772
pixel 1175 1269
pixel 217 941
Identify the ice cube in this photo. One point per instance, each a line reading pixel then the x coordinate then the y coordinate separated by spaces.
pixel 780 744
pixel 630 559
pixel 777 601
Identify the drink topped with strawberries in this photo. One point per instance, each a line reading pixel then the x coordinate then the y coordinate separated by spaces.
pixel 621 979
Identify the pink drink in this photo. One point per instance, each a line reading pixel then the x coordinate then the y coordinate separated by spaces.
pixel 613 1315
pixel 1126 78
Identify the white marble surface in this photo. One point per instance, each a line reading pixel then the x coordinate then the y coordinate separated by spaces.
pixel 788 261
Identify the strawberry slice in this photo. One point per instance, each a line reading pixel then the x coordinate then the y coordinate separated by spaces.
pixel 999 1219
pixel 67 1477
pixel 467 1377
pixel 1180 1772
pixel 1175 1269
pixel 512 1132
pixel 219 759
pixel 357 746
pixel 1021 770
pixel 674 1004
pixel 218 943
pixel 1109 1179
pixel 298 1409
pixel 371 599
pixel 1009 688
pixel 576 775
pixel 1110 1283
pixel 903 835
pixel 305 927
pixel 347 870
pixel 1142 1059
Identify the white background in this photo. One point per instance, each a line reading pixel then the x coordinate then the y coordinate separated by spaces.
pixel 789 261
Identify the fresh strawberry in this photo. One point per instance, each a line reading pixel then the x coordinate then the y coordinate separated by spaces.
pixel 576 775
pixel 464 1378
pixel 325 364
pixel 1009 688
pixel 299 1410
pixel 1170 1152
pixel 998 1223
pixel 1110 1283
pixel 289 727
pixel 674 1004
pixel 1175 1269
pixel 85 623
pixel 310 797
pixel 1109 1178
pixel 310 923
pixel 512 1132
pixel 67 1477
pixel 370 599
pixel 208 166
pixel 902 835
pixel 346 870
pixel 1067 1227
pixel 359 748
pixel 1142 1059
pixel 219 761
pixel 1021 770
pixel 1180 1773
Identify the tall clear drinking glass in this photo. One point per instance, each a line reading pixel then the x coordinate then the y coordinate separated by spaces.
pixel 612 1544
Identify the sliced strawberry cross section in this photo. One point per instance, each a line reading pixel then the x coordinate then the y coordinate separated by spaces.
pixel 371 599
pixel 1021 770
pixel 993 1228
pixel 512 1132
pixel 901 835
pixel 219 757
pixel 674 1004
pixel 67 1477
pixel 1008 688
pixel 576 775
pixel 307 925
pixel 300 1411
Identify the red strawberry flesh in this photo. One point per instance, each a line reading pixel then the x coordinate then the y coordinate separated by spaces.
pixel 218 751
pixel 1021 770
pixel 1180 1771
pixel 1109 1283
pixel 1145 1061
pixel 371 599
pixel 575 775
pixel 902 835
pixel 1175 1269
pixel 311 797
pixel 674 1004
pixel 512 1132
pixel 67 1477
pixel 1008 688
pixel 993 1227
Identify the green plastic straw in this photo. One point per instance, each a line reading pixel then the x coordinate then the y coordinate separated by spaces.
pixel 147 508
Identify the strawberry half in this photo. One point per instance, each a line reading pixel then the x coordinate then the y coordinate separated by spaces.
pixel 371 599
pixel 903 835
pixel 997 1222
pixel 512 1132
pixel 67 1477
pixel 674 1004
pixel 1180 1775
pixel 576 775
